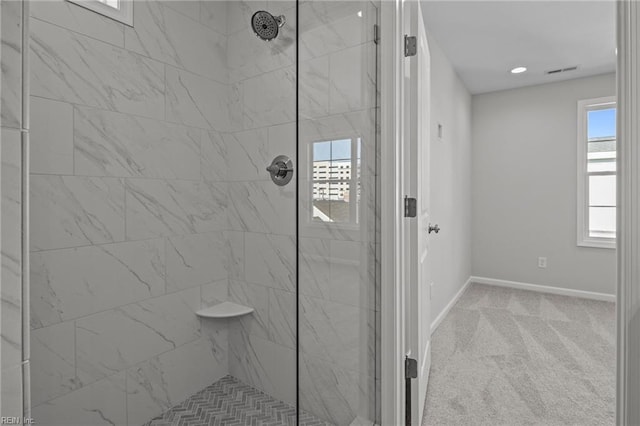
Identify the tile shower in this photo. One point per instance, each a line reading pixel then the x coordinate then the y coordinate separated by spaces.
pixel 149 200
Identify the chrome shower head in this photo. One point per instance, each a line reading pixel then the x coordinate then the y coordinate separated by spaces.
pixel 265 25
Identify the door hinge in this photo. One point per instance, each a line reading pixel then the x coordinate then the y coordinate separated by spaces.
pixel 376 33
pixel 410 45
pixel 410 372
pixel 410 206
pixel 410 368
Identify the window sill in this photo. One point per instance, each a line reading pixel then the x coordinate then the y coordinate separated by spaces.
pixel 598 243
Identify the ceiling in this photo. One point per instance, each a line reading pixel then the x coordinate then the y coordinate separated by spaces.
pixel 484 40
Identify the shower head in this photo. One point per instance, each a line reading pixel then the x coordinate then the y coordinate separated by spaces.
pixel 265 25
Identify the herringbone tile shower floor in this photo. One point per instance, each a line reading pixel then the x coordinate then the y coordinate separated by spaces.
pixel 229 402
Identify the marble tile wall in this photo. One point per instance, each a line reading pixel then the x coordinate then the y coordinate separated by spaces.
pixel 13 351
pixel 338 284
pixel 129 226
pixel 337 99
pixel 262 215
pixel 149 199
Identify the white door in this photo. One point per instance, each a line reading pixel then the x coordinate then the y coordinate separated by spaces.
pixel 416 184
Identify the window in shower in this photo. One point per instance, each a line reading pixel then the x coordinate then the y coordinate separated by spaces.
pixel 120 10
pixel 597 173
pixel 335 181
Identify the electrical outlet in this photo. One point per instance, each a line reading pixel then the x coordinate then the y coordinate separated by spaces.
pixel 542 262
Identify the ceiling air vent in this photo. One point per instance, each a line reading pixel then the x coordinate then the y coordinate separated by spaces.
pixel 559 70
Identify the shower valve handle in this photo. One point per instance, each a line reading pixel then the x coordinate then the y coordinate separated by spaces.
pixel 274 168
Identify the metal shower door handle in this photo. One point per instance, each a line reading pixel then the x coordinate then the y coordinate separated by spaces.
pixel 281 170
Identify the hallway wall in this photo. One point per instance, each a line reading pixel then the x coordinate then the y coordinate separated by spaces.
pixel 450 181
pixel 524 187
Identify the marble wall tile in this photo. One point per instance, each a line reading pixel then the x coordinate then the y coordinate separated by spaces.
pixel 270 260
pixel 282 140
pixel 161 208
pixel 53 364
pixel 102 277
pixel 262 207
pixel 334 394
pixel 197 101
pixel 71 211
pixel 248 155
pixel 313 88
pixel 315 266
pixel 353 79
pixel 269 98
pixel 101 403
pixel 11 391
pixel 340 334
pixel 51 136
pixel 196 259
pixel 250 56
pixel 256 297
pixel 262 364
pixel 282 317
pixel 163 381
pixel 79 19
pixel 11 77
pixel 328 27
pixel 189 8
pixel 214 157
pixel 213 14
pixel 350 282
pixel 235 253
pixel 113 144
pixel 168 36
pixel 152 327
pixel 71 67
pixel 11 237
pixel 214 293
pixel 239 14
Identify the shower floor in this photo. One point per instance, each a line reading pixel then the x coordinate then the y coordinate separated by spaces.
pixel 230 402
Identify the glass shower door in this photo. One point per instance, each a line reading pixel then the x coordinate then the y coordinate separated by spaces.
pixel 337 226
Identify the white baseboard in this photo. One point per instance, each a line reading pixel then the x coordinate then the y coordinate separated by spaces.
pixel 544 289
pixel 435 323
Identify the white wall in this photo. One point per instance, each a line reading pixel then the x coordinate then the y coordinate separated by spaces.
pixel 450 181
pixel 524 187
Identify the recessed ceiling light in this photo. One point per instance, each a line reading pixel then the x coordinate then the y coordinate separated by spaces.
pixel 518 70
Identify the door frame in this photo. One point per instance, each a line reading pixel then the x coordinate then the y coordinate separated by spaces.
pixel 392 211
pixel 628 235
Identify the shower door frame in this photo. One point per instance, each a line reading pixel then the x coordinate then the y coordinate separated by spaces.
pixel 392 290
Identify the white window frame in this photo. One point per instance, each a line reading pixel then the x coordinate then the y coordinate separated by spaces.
pixel 353 181
pixel 584 239
pixel 124 14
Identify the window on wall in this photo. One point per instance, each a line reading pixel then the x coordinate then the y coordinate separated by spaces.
pixel 597 172
pixel 120 10
pixel 335 182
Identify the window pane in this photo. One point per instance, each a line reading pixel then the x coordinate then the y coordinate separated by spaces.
pixel 602 222
pixel 331 203
pixel 601 123
pixel 602 191
pixel 113 3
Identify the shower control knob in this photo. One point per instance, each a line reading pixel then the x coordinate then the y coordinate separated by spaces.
pixel 281 170
pixel 434 228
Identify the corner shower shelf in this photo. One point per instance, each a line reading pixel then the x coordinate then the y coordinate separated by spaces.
pixel 224 310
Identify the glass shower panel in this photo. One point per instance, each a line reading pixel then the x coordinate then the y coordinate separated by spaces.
pixel 337 232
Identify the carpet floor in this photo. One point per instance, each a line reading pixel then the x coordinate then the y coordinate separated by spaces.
pixel 515 357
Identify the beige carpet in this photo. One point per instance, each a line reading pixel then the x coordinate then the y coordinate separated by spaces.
pixel 514 357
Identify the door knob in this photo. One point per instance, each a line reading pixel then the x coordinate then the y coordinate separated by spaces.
pixel 434 228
